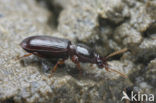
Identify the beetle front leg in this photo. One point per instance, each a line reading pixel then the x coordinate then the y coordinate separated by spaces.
pixel 76 61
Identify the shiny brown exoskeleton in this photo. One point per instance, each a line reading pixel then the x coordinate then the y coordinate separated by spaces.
pixel 62 49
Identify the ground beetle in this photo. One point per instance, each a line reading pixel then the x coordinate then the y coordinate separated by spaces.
pixel 62 49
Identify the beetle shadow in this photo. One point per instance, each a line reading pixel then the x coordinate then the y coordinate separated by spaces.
pixel 42 64
pixel 45 66
pixel 80 74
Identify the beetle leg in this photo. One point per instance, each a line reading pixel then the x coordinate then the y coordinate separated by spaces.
pixel 76 61
pixel 26 55
pixel 29 54
pixel 56 65
pixel 106 67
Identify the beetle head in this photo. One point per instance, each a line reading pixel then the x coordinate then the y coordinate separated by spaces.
pixel 101 62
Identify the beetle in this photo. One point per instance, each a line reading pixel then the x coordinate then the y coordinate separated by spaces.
pixel 62 49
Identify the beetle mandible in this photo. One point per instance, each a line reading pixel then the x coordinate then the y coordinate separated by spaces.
pixel 62 49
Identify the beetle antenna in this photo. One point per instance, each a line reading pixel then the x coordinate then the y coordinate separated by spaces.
pixel 116 53
pixel 121 74
pixel 113 70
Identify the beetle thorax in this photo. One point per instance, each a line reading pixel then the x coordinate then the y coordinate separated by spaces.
pixel 83 52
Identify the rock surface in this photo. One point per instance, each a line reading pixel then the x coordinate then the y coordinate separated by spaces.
pixel 105 25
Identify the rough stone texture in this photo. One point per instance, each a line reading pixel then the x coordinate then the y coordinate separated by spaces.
pixel 105 25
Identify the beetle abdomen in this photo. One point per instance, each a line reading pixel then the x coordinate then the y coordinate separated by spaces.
pixel 46 46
